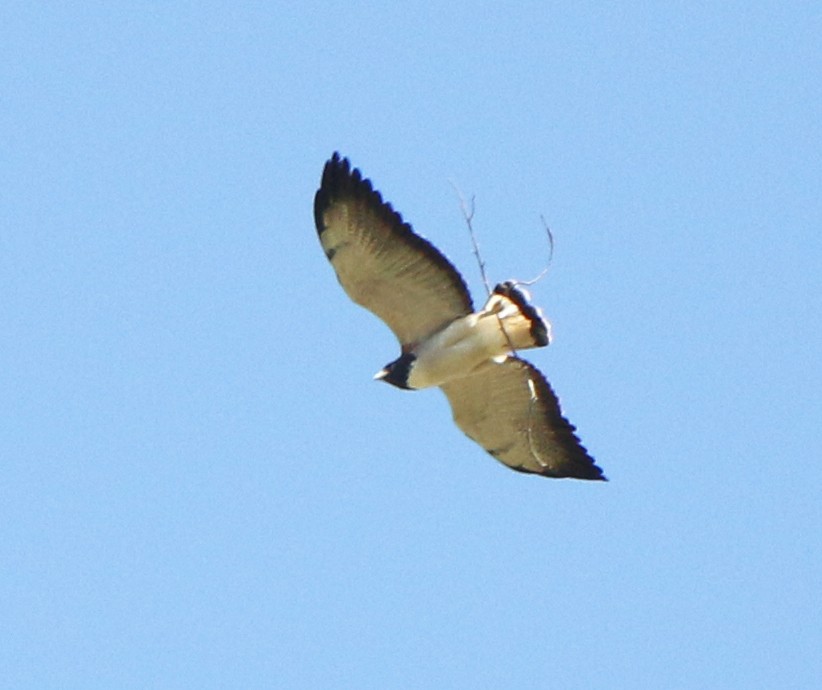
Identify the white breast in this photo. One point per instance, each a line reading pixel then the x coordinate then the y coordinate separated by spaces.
pixel 502 326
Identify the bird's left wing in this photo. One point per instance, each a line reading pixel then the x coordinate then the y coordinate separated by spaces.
pixel 511 411
pixel 380 262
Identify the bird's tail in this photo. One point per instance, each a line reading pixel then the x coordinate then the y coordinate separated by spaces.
pixel 523 325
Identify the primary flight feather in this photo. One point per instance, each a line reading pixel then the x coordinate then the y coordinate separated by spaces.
pixel 499 400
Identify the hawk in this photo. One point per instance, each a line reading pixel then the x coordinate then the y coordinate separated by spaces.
pixel 497 399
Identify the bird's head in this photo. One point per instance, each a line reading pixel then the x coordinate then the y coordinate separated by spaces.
pixel 397 372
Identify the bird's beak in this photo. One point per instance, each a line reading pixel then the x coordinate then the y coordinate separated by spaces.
pixel 381 374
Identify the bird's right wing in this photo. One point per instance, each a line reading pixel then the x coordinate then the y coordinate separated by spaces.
pixel 511 411
pixel 380 262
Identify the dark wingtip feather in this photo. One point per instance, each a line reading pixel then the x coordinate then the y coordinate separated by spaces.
pixel 579 463
pixel 340 181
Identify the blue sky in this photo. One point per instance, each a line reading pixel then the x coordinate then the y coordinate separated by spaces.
pixel 203 487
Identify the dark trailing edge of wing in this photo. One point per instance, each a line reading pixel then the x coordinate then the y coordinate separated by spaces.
pixel 340 181
pixel 538 330
pixel 580 464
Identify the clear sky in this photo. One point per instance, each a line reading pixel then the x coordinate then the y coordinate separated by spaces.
pixel 201 485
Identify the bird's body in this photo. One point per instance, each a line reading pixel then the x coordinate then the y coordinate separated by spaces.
pixel 493 333
pixel 499 400
pixel 455 351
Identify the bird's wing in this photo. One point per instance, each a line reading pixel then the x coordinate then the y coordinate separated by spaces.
pixel 380 262
pixel 511 411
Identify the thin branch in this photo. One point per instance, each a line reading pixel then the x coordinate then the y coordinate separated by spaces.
pixel 531 387
pixel 534 398
pixel 550 239
pixel 544 271
pixel 468 215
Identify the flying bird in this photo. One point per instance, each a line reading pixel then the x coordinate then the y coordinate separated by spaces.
pixel 497 399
